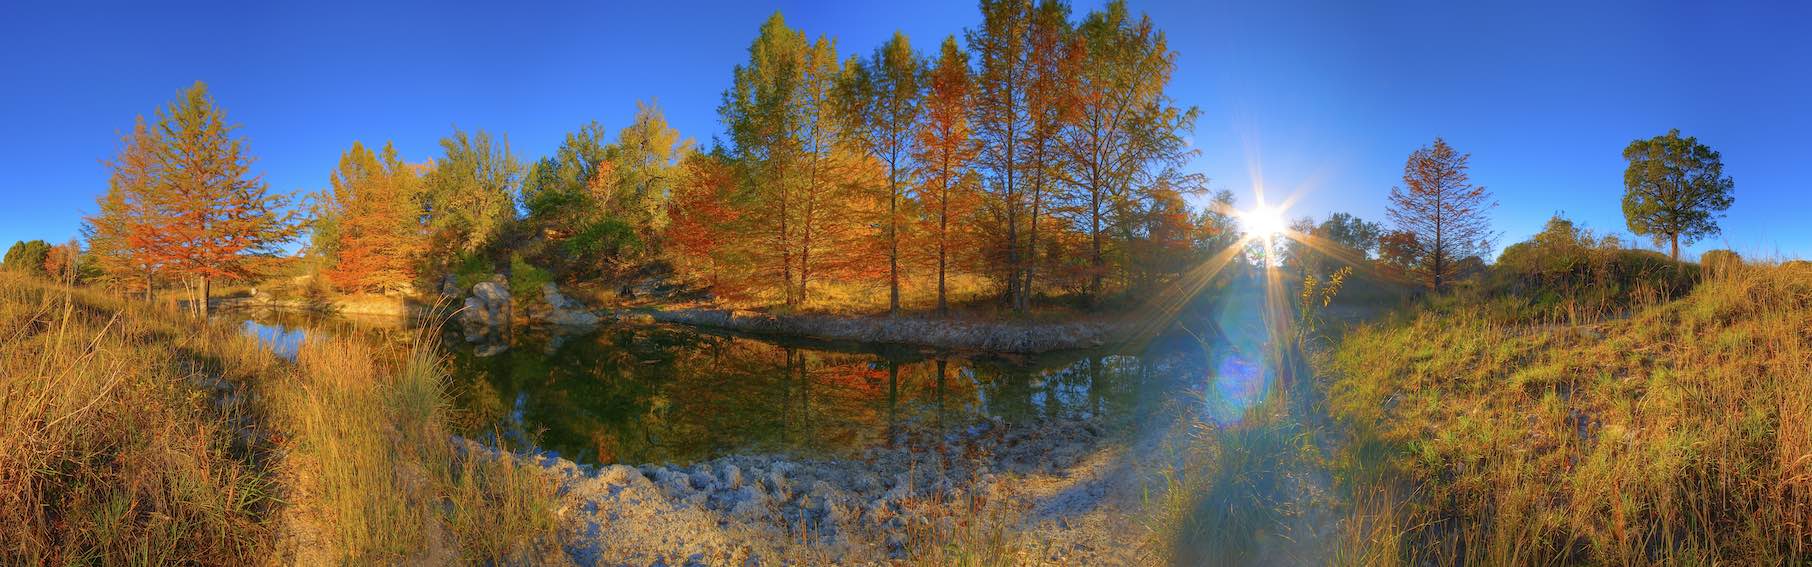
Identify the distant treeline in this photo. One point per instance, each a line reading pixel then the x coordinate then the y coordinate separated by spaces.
pixel 1038 152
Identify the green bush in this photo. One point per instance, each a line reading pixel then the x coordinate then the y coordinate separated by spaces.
pixel 1565 267
pixel 469 269
pixel 27 256
pixel 526 279
pixel 603 240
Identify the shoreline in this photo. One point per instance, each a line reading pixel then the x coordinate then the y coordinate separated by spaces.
pixel 1003 337
pixel 1057 480
pixel 1006 337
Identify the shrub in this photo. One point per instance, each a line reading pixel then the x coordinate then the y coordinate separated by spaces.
pixel 27 256
pixel 469 269
pixel 1566 268
pixel 526 279
pixel 1720 263
pixel 601 242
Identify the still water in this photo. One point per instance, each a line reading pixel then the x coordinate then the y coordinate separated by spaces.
pixel 662 393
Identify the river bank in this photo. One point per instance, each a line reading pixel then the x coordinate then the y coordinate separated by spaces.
pixel 1052 493
pixel 1008 337
pixel 1004 337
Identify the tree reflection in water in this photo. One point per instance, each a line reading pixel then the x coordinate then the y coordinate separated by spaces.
pixel 669 394
pixel 665 394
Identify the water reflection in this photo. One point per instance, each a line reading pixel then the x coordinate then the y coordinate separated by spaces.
pixel 642 394
pixel 669 394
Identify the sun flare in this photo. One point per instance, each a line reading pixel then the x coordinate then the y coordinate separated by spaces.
pixel 1262 221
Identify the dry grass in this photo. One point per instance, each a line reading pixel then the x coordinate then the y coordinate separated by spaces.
pixel 1680 435
pixel 112 448
pixel 372 458
pixel 129 435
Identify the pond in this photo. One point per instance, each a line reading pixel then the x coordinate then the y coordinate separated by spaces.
pixel 675 394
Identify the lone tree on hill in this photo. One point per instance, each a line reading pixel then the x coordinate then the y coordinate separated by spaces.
pixel 1443 210
pixel 1673 189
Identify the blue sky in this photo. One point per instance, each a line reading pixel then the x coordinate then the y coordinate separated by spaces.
pixel 1320 99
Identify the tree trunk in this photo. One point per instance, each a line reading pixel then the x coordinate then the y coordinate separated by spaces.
pixel 202 305
pixel 1025 296
pixel 893 242
pixel 1095 259
pixel 1675 237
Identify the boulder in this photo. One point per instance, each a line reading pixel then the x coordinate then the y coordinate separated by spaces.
pixel 485 317
pixel 564 311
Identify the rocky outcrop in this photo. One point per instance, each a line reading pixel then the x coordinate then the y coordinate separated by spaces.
pixel 485 317
pixel 563 311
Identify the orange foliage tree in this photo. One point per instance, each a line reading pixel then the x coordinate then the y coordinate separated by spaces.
pixel 200 214
pixel 124 211
pixel 370 225
pixel 944 151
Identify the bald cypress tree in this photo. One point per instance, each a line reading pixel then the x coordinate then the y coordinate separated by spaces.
pixel 1444 212
pixel 115 230
pixel 209 217
pixel 881 100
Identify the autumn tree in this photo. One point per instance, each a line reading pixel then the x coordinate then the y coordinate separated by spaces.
pixel 208 217
pixel 370 228
pixel 1053 61
pixel 1399 252
pixel 123 212
pixel 469 194
pixel 61 260
pixel 881 102
pixel 999 115
pixel 1674 189
pixel 827 167
pixel 703 237
pixel 643 169
pixel 1442 210
pixel 1127 137
pixel 943 152
pixel 760 116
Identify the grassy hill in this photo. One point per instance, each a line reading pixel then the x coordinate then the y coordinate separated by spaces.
pixel 1680 433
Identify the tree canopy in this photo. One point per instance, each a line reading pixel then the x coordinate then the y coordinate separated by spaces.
pixel 1674 189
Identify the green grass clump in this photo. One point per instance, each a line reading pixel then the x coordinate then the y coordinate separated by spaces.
pixel 1680 434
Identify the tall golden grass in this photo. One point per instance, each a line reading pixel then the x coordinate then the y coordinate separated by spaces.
pixel 1681 434
pixel 132 435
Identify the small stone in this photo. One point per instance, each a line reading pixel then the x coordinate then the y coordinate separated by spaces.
pixel 732 476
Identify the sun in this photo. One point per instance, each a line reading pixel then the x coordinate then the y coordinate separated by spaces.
pixel 1263 221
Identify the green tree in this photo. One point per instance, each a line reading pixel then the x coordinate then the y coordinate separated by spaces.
pixel 881 100
pixel 1674 189
pixel 27 256
pixel 643 168
pixel 470 192
pixel 555 190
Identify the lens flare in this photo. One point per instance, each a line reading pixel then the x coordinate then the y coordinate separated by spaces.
pixel 1263 221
